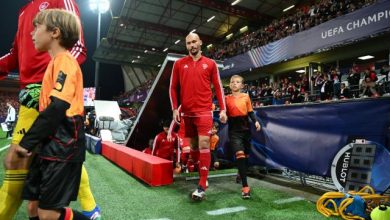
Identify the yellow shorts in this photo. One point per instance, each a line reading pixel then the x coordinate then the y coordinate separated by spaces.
pixel 26 119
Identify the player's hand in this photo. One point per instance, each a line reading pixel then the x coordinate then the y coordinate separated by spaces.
pixel 176 116
pixel 21 152
pixel 258 126
pixel 223 116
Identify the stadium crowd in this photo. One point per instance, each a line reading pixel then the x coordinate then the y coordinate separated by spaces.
pixel 135 95
pixel 304 18
pixel 4 98
pixel 132 100
pixel 327 86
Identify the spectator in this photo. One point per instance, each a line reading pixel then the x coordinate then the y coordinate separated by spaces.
pixel 306 98
pixel 90 119
pixel 385 70
pixel 371 73
pixel 369 87
pixel 277 100
pixel 335 77
pixel 318 80
pixel 295 95
pixel 353 80
pixel 326 88
pixel 5 97
pixel 343 92
pixel 10 120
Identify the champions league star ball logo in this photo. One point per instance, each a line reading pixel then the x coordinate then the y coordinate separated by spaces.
pixel 43 6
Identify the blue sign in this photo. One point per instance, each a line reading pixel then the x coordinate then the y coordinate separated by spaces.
pixel 307 137
pixel 356 25
pixel 237 64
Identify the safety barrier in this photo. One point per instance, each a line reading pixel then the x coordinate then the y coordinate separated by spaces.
pixel 152 170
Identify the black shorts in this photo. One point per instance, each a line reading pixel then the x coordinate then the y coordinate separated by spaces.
pixel 54 184
pixel 240 141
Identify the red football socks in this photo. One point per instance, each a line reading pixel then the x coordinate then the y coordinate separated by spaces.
pixel 204 166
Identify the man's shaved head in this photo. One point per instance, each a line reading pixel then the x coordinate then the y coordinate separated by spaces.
pixel 193 43
pixel 193 35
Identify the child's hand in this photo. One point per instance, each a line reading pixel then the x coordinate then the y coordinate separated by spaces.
pixel 258 126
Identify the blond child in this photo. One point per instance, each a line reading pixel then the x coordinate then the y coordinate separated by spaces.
pixel 54 175
pixel 239 109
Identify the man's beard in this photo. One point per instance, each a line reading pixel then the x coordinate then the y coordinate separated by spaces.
pixel 194 53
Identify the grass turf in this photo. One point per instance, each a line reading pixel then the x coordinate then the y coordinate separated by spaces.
pixel 2 136
pixel 121 196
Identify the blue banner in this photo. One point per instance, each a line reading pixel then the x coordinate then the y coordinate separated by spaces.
pixel 307 137
pixel 362 23
pixel 237 64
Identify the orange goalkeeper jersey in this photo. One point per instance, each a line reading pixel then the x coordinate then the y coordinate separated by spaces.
pixel 237 109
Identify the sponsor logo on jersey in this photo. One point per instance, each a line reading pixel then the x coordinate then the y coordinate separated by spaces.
pixel 60 81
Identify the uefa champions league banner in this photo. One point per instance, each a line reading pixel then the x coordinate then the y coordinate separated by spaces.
pixel 348 140
pixel 364 22
pixel 237 64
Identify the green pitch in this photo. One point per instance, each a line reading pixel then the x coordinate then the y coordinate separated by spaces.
pixel 2 136
pixel 123 197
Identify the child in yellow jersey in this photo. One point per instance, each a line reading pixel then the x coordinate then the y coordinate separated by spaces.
pixel 239 108
pixel 54 175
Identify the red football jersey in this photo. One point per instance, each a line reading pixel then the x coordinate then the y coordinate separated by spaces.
pixel 192 81
pixel 23 55
pixel 164 148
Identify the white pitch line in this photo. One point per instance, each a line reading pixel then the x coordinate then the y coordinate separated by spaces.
pixel 160 219
pixel 5 148
pixel 226 210
pixel 212 176
pixel 293 199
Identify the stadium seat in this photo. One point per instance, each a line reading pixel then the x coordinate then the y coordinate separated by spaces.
pixel 152 170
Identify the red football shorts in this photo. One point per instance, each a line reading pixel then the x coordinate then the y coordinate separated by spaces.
pixel 197 124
